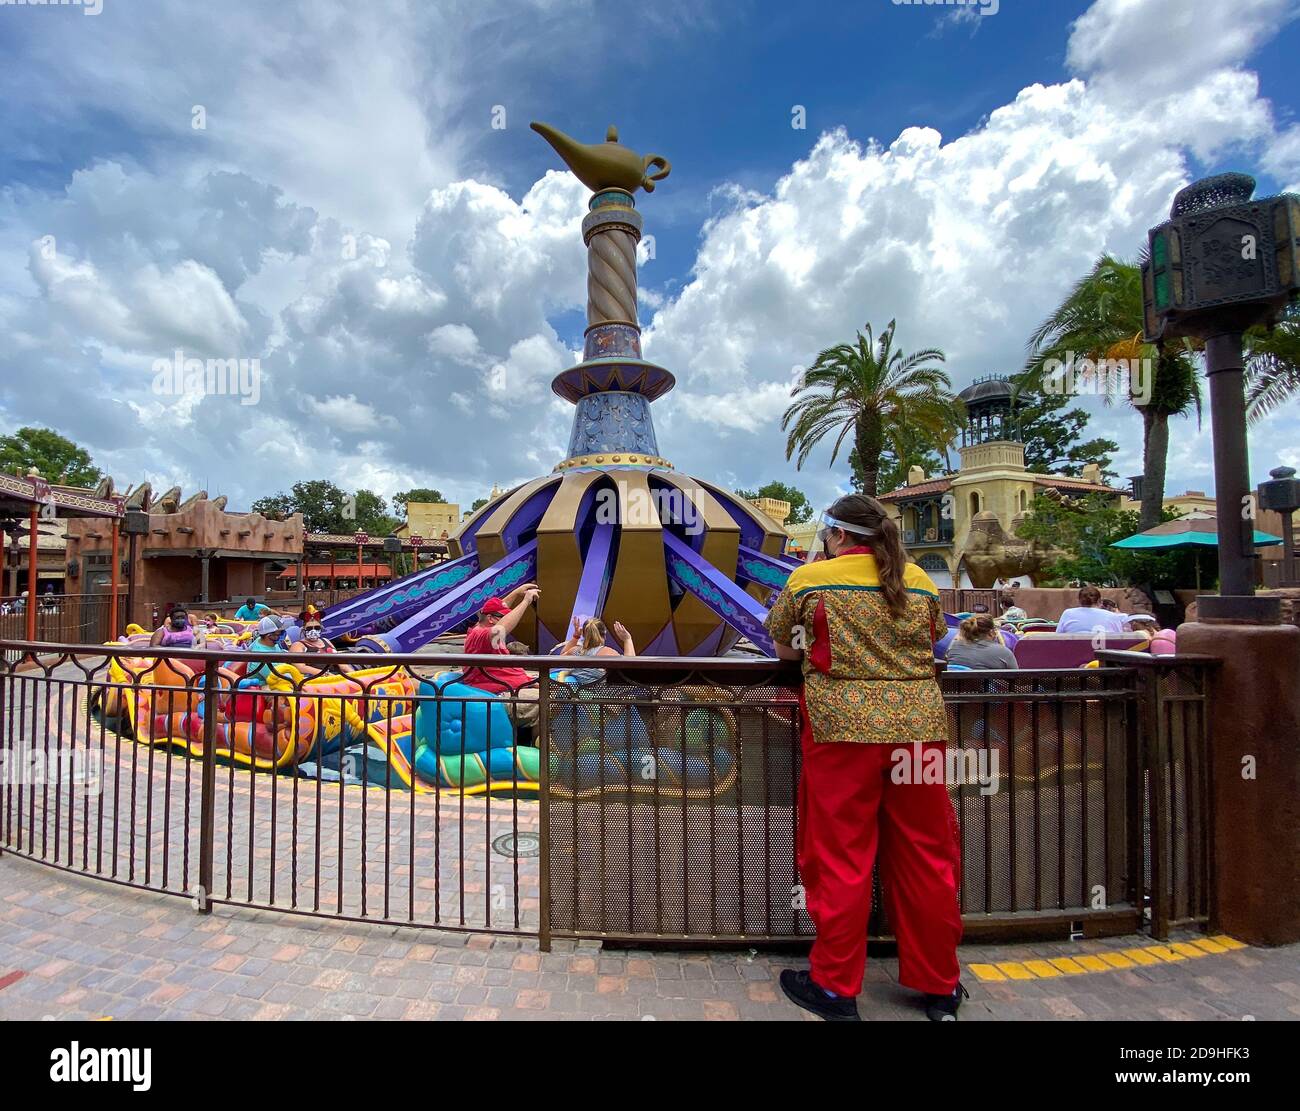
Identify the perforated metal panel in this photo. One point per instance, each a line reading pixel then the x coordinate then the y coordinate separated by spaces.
pixel 672 812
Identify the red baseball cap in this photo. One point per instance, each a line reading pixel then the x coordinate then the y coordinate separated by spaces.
pixel 494 607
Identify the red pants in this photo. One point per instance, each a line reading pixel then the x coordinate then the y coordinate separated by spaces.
pixel 849 806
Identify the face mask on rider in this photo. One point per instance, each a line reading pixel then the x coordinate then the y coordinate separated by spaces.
pixel 312 633
pixel 179 621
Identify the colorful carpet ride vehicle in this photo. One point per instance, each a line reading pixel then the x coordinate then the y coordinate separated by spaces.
pixel 358 728
pixel 385 727
pixel 464 740
pixel 264 725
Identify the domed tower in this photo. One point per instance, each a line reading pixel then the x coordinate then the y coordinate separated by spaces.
pixel 614 531
pixel 991 411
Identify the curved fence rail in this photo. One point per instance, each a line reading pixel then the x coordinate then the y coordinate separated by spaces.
pixel 630 799
pixel 61 618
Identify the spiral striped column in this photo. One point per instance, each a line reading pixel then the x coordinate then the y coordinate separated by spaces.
pixel 611 231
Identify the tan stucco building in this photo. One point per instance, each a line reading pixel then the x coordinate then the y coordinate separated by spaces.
pixel 430 520
pixel 961 528
pixel 1192 501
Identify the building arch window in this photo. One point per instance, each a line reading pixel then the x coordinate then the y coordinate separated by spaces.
pixel 1022 500
pixel 975 502
pixel 932 562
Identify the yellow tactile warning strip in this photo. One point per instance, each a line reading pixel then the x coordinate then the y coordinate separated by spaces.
pixel 1104 962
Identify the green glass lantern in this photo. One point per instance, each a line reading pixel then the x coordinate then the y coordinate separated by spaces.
pixel 1222 259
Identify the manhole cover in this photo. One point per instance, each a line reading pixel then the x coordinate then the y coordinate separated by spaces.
pixel 517 844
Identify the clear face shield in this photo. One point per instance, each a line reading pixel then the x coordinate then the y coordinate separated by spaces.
pixel 817 549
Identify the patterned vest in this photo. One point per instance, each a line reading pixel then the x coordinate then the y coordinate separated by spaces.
pixel 868 675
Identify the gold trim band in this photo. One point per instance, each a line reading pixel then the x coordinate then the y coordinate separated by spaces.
pixel 612 458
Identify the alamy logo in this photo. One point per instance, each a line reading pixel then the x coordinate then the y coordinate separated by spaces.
pixel 92 7
pixel 963 767
pixel 1079 376
pixel 986 7
pixel 102 1066
pixel 642 507
pixel 182 377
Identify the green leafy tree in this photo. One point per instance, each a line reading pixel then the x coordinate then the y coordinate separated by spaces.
pixel 1101 319
pixel 321 503
pixel 372 514
pixel 1084 531
pixel 800 507
pixel 479 503
pixel 58 459
pixel 326 507
pixel 418 494
pixel 1052 435
pixel 875 394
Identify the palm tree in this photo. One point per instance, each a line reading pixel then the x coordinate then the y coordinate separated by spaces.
pixel 878 394
pixel 1272 366
pixel 1101 320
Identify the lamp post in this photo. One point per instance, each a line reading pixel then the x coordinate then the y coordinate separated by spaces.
pixel 114 576
pixel 1224 263
pixel 392 548
pixel 135 524
pixel 362 538
pixel 1282 495
pixel 15 556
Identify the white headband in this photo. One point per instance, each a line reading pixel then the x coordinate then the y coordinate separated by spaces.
pixel 828 521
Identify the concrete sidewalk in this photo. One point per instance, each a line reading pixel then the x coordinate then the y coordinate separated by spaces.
pixel 74 948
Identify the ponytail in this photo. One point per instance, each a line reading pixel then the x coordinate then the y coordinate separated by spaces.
pixel 593 634
pixel 869 520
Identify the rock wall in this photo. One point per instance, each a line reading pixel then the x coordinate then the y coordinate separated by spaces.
pixel 1290 596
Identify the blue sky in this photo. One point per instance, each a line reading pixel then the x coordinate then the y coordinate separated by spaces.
pixel 410 278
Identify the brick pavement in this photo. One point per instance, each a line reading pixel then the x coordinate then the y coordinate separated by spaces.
pixel 73 947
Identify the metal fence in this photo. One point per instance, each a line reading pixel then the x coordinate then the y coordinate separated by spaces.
pixel 658 802
pixel 1174 754
pixel 60 618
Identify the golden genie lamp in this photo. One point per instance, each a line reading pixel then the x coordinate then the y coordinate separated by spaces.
pixel 607 165
pixel 613 531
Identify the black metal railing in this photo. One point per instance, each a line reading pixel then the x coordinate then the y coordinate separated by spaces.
pixel 657 802
pixel 1043 767
pixel 61 618
pixel 1174 757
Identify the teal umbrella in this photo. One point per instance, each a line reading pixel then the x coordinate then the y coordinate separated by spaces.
pixel 1187 532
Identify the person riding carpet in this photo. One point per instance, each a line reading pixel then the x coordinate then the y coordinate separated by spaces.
pixel 489 635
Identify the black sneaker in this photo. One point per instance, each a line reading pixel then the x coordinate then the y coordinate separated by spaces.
pixel 800 989
pixel 943 1008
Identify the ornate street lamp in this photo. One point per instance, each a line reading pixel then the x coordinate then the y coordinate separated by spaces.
pixel 1282 495
pixel 1221 264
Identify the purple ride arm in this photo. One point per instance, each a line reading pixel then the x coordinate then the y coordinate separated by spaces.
pixel 725 598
